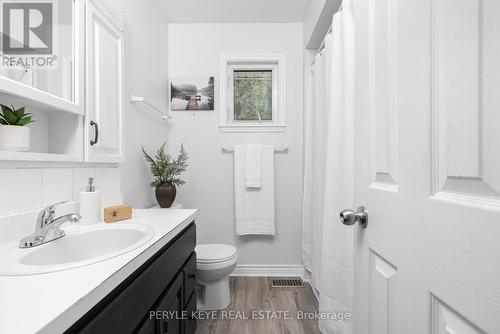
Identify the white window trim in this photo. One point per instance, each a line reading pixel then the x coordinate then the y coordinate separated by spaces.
pixel 274 61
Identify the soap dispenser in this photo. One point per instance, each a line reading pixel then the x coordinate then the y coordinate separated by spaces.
pixel 90 204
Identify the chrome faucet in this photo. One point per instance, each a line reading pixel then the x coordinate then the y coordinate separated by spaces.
pixel 48 227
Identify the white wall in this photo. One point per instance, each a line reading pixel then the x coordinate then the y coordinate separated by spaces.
pixel 29 189
pixel 146 74
pixel 194 50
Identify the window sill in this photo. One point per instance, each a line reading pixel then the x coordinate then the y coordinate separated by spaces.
pixel 251 128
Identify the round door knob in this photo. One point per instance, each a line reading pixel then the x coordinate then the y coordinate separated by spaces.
pixel 350 217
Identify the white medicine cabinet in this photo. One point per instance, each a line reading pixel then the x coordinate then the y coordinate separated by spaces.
pixel 69 76
pixel 104 83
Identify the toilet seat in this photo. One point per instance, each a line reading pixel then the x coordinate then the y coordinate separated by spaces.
pixel 215 254
pixel 217 265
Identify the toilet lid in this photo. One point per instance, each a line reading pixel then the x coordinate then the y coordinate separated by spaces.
pixel 214 252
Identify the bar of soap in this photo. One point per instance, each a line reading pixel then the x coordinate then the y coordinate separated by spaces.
pixel 117 213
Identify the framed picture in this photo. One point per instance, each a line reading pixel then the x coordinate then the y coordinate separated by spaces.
pixel 192 93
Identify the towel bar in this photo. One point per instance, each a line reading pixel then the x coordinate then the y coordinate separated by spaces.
pixel 277 149
pixel 136 99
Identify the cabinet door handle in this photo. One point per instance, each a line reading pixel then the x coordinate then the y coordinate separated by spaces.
pixel 96 136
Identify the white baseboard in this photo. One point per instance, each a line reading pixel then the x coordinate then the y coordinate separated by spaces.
pixel 315 292
pixel 307 278
pixel 269 270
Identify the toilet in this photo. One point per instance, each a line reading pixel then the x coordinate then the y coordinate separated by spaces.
pixel 214 263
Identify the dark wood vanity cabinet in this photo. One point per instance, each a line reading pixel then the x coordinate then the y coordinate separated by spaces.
pixel 158 298
pixel 172 306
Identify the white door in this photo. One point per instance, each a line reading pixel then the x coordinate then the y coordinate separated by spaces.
pixel 427 166
pixel 104 49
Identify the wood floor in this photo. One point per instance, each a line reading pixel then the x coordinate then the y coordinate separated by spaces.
pixel 253 298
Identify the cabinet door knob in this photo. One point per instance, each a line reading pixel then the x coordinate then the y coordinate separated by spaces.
pixel 96 136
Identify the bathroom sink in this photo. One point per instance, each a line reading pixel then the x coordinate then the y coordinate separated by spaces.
pixel 82 246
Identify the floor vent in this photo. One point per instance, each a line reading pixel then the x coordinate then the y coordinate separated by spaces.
pixel 287 283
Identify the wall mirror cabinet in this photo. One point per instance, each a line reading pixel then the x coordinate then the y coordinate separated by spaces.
pixel 63 62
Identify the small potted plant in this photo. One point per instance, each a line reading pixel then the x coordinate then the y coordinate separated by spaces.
pixel 14 134
pixel 166 171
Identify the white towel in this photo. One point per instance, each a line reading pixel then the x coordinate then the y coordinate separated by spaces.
pixel 253 165
pixel 254 207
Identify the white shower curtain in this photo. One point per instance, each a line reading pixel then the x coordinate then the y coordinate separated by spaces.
pixel 307 187
pixel 314 169
pixel 328 177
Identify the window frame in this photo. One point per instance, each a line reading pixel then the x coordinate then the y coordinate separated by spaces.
pixel 231 62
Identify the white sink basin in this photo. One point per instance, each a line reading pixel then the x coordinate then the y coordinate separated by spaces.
pixel 82 246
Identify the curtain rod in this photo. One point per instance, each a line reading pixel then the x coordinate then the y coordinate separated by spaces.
pixel 323 42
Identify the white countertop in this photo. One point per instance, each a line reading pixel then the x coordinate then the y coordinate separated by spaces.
pixel 51 303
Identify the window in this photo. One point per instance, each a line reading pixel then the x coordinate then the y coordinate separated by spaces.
pixel 252 96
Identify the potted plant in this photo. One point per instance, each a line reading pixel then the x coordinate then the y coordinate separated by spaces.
pixel 14 134
pixel 166 171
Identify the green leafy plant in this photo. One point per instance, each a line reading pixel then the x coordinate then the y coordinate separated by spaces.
pixel 165 168
pixel 13 116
